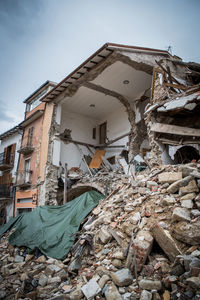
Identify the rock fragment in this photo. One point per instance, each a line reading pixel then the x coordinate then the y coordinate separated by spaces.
pixel 169 177
pixel 112 293
pixel 145 295
pixel 91 289
pixel 149 285
pixel 166 242
pixel 122 277
pixel 181 214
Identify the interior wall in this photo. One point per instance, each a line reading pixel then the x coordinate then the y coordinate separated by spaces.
pixel 117 125
pixel 81 130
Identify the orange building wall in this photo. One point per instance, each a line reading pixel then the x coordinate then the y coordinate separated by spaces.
pixel 34 164
pixel 45 138
pixel 39 107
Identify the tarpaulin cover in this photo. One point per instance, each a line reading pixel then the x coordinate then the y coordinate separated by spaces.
pixel 52 229
pixel 11 223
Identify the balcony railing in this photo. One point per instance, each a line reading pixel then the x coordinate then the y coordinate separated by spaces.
pixel 24 178
pixel 6 191
pixel 27 145
pixel 6 161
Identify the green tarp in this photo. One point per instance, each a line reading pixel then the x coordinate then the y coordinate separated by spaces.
pixel 11 223
pixel 52 229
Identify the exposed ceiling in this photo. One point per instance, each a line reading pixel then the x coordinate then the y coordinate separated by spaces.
pixel 113 77
pixel 81 101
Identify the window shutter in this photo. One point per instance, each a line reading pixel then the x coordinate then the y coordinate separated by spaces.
pixel 13 154
pixel 30 136
pixel 5 155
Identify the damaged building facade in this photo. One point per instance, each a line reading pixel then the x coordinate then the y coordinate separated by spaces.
pixel 10 144
pixel 107 107
pixel 33 150
pixel 173 114
pixel 121 102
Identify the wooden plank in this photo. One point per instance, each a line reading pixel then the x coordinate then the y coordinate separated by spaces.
pixel 176 86
pixel 97 159
pixel 177 142
pixel 174 129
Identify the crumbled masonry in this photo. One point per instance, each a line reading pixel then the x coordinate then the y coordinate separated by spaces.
pixel 141 242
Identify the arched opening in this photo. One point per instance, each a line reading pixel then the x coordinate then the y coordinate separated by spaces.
pixel 186 154
pixel 78 190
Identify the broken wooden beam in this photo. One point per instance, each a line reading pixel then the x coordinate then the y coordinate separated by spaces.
pixel 177 142
pixel 176 86
pixel 174 129
pixel 114 140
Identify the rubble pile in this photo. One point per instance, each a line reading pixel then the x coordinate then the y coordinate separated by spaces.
pixel 141 242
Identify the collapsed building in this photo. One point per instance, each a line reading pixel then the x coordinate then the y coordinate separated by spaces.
pixel 122 101
pixel 125 124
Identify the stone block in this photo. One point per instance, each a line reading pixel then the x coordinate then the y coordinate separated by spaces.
pixel 145 295
pixel 169 177
pixel 151 183
pixel 56 279
pixel 76 295
pixel 187 204
pixel 102 281
pixel 166 242
pixel 122 277
pixel 51 269
pixel 43 280
pixel 188 233
pixel 18 259
pixel 112 293
pixel 91 289
pixel 181 214
pixel 189 196
pixel 149 285
pixel 104 235
pixel 174 187
pixel 191 187
pixel 193 282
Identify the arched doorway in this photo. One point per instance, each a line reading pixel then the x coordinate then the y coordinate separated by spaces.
pixel 186 154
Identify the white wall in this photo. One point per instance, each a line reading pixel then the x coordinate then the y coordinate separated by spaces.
pixel 15 138
pixel 117 125
pixel 82 127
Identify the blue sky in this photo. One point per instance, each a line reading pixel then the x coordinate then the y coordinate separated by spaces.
pixel 47 39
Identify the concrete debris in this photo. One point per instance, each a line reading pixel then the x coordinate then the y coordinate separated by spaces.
pixel 191 187
pixel 122 277
pixel 149 285
pixel 149 250
pixel 112 293
pixel 166 242
pixel 91 289
pixel 181 214
pixel 145 295
pixel 169 177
